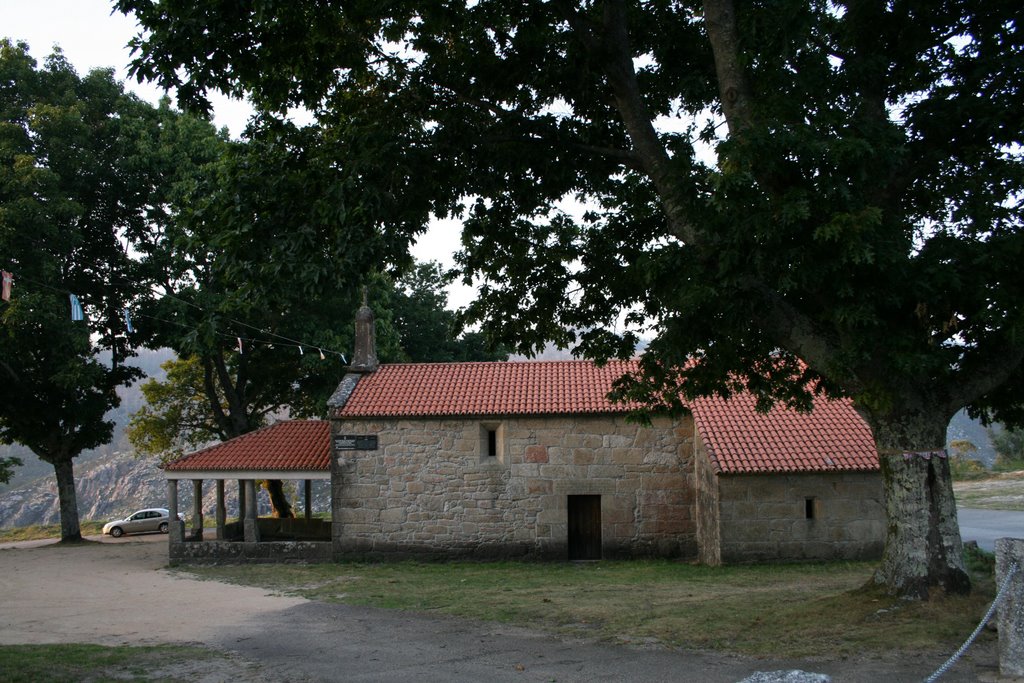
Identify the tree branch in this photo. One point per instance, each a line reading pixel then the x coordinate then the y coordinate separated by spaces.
pixel 612 48
pixel 792 330
pixel 624 157
pixel 236 415
pixel 10 372
pixel 977 381
pixel 222 421
pixel 720 21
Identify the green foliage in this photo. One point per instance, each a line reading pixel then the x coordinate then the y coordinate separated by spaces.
pixel 236 268
pixel 7 466
pixel 765 610
pixel 964 468
pixel 1009 446
pixel 62 662
pixel 84 170
pixel 961 465
pixel 180 415
pixel 978 560
pixel 176 416
pixel 38 532
pixel 963 447
pixel 427 330
pixel 861 215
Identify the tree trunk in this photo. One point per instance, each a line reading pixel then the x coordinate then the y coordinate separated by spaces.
pixel 923 549
pixel 70 530
pixel 278 499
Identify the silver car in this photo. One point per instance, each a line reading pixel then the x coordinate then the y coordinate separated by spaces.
pixel 150 519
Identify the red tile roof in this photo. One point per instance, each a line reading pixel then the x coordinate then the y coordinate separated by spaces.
pixel 483 389
pixel 292 445
pixel 740 440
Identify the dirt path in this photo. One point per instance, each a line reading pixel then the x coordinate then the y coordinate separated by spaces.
pixel 116 593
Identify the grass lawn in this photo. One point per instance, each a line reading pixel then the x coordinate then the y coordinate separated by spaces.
pixel 995 491
pixel 40 531
pixel 803 610
pixel 828 610
pixel 74 662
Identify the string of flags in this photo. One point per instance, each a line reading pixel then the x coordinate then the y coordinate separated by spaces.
pixel 78 314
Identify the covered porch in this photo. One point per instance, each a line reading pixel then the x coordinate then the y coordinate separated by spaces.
pixel 293 450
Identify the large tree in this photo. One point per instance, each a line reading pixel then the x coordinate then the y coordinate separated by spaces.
pixel 428 330
pixel 255 278
pixel 795 198
pixel 81 167
pixel 208 397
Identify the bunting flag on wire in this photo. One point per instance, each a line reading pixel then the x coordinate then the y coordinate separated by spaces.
pixel 76 308
pixel 8 280
pixel 128 321
pixel 322 357
pixel 239 344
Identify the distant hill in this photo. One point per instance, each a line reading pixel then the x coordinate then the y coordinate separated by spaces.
pixel 113 486
pixel 963 428
pixel 110 481
pixel 32 480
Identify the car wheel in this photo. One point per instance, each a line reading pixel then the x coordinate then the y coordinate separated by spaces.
pixel 116 532
pixel 163 527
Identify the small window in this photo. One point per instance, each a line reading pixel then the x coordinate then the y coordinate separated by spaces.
pixel 809 508
pixel 491 446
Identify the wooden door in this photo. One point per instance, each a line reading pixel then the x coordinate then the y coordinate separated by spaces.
pixel 584 527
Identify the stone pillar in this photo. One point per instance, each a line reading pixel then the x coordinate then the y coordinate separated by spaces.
pixel 1010 617
pixel 364 351
pixel 176 527
pixel 241 500
pixel 197 509
pixel 308 491
pixel 252 530
pixel 221 511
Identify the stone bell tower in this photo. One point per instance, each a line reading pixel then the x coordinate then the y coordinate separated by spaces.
pixel 364 354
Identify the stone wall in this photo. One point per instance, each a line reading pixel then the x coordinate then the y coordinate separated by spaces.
pixel 228 552
pixel 431 489
pixel 708 523
pixel 801 516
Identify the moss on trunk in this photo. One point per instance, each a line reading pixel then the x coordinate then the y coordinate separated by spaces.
pixel 923 549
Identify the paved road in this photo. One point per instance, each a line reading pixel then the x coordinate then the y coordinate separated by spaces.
pixel 985 526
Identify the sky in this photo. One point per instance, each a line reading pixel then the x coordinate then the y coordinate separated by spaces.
pixel 92 36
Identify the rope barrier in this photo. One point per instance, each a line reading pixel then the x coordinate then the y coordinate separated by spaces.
pixel 1003 587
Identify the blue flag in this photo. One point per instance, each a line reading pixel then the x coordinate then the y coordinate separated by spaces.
pixel 128 321
pixel 76 308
